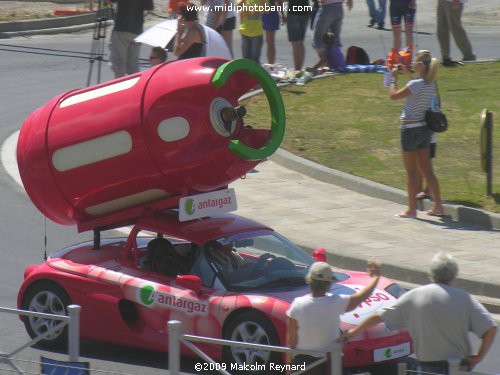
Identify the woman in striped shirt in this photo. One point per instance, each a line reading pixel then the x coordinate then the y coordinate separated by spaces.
pixel 415 135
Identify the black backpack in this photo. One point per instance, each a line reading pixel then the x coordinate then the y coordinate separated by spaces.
pixel 357 55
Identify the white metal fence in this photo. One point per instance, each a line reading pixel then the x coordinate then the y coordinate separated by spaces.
pixel 175 338
pixel 73 322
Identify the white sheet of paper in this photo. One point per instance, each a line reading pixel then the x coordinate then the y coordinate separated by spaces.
pixel 387 79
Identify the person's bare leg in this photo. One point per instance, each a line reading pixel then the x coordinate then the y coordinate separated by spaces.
pixel 271 46
pixel 299 54
pixel 409 34
pixel 419 182
pixel 396 37
pixel 228 37
pixel 410 163
pixel 425 166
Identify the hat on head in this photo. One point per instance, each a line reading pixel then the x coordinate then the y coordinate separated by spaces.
pixel 320 271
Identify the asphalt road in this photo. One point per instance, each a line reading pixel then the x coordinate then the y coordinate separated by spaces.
pixel 30 80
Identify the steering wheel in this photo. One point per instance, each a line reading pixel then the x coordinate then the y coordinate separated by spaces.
pixel 261 262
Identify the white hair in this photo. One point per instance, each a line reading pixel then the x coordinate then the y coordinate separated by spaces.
pixel 444 268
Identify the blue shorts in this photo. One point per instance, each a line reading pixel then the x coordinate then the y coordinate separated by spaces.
pixel 271 21
pixel 414 139
pixel 400 9
pixel 296 25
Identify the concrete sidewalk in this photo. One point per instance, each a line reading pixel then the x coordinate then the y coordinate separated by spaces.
pixel 354 227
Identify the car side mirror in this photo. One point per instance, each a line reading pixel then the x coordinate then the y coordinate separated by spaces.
pixel 192 282
pixel 319 254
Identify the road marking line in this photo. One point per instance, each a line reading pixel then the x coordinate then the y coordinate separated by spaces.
pixel 8 157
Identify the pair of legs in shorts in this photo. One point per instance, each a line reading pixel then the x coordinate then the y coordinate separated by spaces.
pixel 124 55
pixel 296 25
pixel 270 24
pixel 415 143
pixel 402 10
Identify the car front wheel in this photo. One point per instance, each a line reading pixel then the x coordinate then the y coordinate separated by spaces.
pixel 254 328
pixel 48 298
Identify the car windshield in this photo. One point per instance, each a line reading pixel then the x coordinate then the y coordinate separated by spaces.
pixel 260 259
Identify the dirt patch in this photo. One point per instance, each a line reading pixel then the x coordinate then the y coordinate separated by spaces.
pixel 24 10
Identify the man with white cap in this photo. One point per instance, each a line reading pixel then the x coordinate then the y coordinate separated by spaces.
pixel 313 319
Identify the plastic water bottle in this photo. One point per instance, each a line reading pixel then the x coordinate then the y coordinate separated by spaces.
pixel 305 78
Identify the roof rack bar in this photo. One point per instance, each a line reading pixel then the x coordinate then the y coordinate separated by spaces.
pixel 97 239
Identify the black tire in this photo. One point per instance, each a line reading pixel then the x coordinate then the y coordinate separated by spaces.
pixel 251 327
pixel 46 297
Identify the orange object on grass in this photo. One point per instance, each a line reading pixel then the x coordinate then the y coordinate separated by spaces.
pixel 400 57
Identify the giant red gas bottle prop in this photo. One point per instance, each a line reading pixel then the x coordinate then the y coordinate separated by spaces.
pixel 100 155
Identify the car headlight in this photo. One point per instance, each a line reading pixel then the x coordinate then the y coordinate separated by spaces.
pixel 395 290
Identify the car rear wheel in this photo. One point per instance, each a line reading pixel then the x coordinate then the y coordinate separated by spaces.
pixel 254 328
pixel 48 298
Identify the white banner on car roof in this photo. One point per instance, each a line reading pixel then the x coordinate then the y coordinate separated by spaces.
pixel 202 205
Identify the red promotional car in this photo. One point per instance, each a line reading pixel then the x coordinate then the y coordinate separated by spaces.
pixel 223 276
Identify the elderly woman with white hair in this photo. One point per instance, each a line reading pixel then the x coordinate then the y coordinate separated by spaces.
pixel 439 318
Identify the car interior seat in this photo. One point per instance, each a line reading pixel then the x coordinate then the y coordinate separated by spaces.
pixel 162 257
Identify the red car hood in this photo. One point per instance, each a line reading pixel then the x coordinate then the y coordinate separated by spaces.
pixel 378 299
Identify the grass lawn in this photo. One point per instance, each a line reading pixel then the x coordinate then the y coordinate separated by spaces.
pixel 348 123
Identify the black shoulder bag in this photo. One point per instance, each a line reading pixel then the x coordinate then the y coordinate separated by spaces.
pixel 436 121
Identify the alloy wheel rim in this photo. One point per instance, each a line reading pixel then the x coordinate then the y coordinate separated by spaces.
pixel 252 333
pixel 48 303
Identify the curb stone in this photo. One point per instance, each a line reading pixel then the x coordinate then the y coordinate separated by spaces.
pixel 55 25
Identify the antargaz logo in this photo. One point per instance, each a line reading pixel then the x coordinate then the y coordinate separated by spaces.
pixel 388 353
pixel 189 206
pixel 146 294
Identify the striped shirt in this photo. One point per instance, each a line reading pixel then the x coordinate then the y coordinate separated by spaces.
pixel 419 100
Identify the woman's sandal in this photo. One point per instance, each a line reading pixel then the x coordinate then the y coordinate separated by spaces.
pixel 435 213
pixel 405 215
pixel 423 195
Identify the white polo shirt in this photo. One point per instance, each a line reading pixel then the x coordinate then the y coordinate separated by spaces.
pixel 318 320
